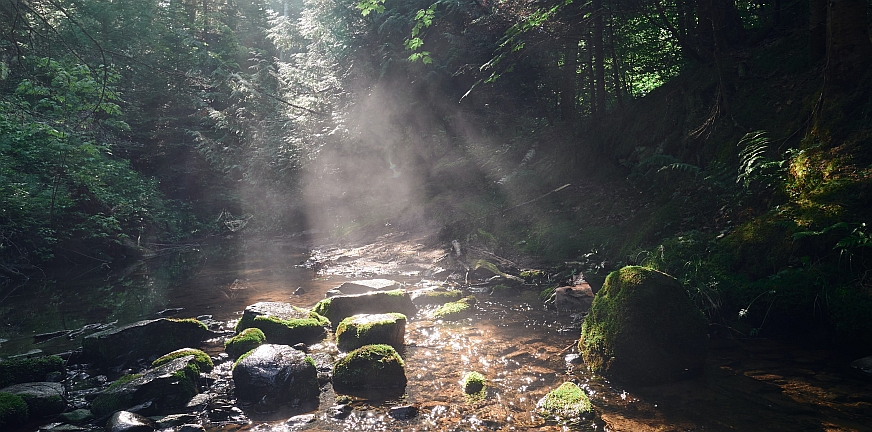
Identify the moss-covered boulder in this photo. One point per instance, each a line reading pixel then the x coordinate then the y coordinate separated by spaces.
pixel 13 410
pixel 21 370
pixel 43 399
pixel 456 310
pixel 430 296
pixel 202 360
pixel 368 329
pixel 473 383
pixel 371 366
pixel 244 342
pixel 284 323
pixel 566 405
pixel 364 286
pixel 643 329
pixel 276 374
pixel 168 386
pixel 146 339
pixel 340 307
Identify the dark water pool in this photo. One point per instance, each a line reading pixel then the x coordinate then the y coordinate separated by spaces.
pixel 522 349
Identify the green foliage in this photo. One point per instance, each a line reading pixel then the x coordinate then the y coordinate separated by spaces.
pixel 13 410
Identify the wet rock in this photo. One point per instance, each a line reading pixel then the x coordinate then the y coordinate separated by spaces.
pixel 22 370
pixel 643 329
pixel 173 420
pixel 340 411
pixel 284 323
pixel 863 365
pixel 403 412
pixel 576 298
pixel 42 398
pixel 244 342
pixel 168 386
pixel 191 427
pixel 201 359
pixel 371 366
pixel 566 405
pixel 340 307
pixel 432 296
pixel 367 329
pixel 142 339
pixel 364 286
pixel 473 382
pixel 300 420
pixel 125 421
pixel 78 416
pixel 455 311
pixel 62 427
pixel 276 373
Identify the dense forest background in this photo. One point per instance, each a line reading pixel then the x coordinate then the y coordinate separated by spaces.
pixel 726 142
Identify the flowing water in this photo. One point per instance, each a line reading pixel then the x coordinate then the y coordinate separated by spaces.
pixel 522 349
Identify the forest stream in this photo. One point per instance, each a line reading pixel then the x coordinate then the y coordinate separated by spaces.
pixel 523 349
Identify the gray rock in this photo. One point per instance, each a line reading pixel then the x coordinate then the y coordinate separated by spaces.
pixel 125 421
pixel 364 286
pixel 191 428
pixel 343 306
pixel 403 412
pixel 173 420
pixel 576 298
pixel 80 415
pixel 142 339
pixel 42 398
pixel 168 386
pixel 300 420
pixel 863 365
pixel 276 374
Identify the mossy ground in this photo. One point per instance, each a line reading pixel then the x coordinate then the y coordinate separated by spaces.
pixel 244 342
pixel 371 366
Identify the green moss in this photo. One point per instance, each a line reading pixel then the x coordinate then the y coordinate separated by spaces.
pixel 16 371
pixel 359 330
pixel 323 306
pixel 567 404
pixel 371 366
pixel 13 410
pixel 473 382
pixel 123 380
pixel 193 321
pixel 293 331
pixel 204 363
pixel 244 342
pixel 455 310
pixel 242 357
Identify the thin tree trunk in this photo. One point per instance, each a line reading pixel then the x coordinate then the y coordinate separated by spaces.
pixel 817 29
pixel 569 91
pixel 599 60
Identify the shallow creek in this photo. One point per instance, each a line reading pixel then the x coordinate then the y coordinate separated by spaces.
pixel 522 349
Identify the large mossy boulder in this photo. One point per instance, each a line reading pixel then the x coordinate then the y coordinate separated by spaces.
pixel 146 339
pixel 368 329
pixel 343 306
pixel 284 323
pixel 368 367
pixel 168 386
pixel 643 329
pixel 566 405
pixel 244 342
pixel 201 359
pixel 21 370
pixel 276 374
pixel 43 399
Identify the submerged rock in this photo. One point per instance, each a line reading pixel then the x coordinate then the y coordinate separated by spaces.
pixel 566 405
pixel 42 398
pixel 367 329
pixel 284 323
pixel 364 286
pixel 431 296
pixel 643 329
pixel 142 339
pixel 277 374
pixel 125 421
pixel 340 307
pixel 455 311
pixel 168 386
pixel 371 366
pixel 244 342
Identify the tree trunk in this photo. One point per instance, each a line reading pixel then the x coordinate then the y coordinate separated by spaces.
pixel 817 29
pixel 568 88
pixel 848 45
pixel 599 60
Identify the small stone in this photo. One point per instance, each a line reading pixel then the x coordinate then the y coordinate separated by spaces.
pixel 403 412
pixel 77 416
pixel 339 411
pixel 301 347
pixel 125 421
pixel 300 420
pixel 190 427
